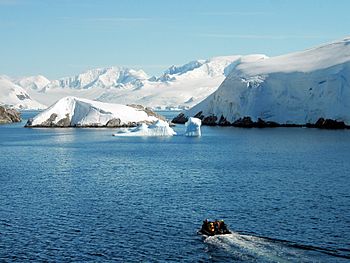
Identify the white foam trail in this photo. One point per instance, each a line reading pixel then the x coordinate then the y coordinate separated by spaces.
pixel 239 245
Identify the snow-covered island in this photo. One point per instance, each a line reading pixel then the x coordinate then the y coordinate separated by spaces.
pixel 77 112
pixel 309 88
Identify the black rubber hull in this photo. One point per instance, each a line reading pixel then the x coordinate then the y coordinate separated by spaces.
pixel 207 233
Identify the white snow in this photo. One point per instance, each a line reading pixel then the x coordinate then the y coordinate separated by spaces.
pixel 32 82
pixel 12 95
pixel 179 87
pixel 83 112
pixel 193 127
pixel 160 128
pixel 297 88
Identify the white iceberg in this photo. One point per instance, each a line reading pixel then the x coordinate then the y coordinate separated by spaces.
pixel 193 127
pixel 159 128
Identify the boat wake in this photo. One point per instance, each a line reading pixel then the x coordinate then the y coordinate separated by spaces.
pixel 246 247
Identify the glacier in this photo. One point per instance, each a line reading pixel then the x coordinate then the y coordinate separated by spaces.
pixel 300 88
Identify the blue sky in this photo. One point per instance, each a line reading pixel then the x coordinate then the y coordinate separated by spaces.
pixel 60 37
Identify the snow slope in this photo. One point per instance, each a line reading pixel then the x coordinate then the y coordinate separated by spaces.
pixel 15 96
pixel 296 88
pixel 178 87
pixel 72 111
pixel 32 82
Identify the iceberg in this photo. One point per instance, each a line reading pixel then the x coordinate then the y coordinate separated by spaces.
pixel 193 127
pixel 159 128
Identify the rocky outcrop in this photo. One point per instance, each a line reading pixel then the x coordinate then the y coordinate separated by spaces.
pixel 148 111
pixel 210 120
pixel 247 122
pixel 180 119
pixel 115 122
pixel 328 124
pixel 9 115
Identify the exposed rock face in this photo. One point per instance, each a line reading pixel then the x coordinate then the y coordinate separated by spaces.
pixel 223 121
pixel 330 124
pixel 9 115
pixel 114 122
pixel 148 111
pixel 180 119
pixel 65 122
pixel 210 120
pixel 49 121
pixel 247 122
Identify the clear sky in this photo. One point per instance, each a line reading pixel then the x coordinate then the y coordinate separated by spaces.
pixel 58 38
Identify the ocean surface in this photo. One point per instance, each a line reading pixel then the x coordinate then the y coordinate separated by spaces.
pixel 82 195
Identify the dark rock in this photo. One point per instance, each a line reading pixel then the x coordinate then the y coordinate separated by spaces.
pixel 9 115
pixel 50 121
pixel 329 124
pixel 223 121
pixel 199 115
pixel 29 122
pixel 246 122
pixel 115 122
pixel 23 97
pixel 149 111
pixel 265 124
pixel 65 122
pixel 210 120
pixel 180 119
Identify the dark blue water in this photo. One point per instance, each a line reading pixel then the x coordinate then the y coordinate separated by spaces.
pixel 83 195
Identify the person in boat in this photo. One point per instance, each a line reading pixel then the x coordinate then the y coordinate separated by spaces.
pixel 205 224
pixel 223 228
pixel 216 227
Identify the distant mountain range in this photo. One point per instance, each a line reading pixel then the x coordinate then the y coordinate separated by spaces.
pixel 179 87
pixel 307 87
pixel 13 95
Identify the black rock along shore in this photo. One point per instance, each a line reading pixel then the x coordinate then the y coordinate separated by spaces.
pixel 246 122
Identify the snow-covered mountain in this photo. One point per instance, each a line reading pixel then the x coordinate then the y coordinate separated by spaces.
pixel 296 88
pixel 12 95
pixel 32 82
pixel 77 112
pixel 178 87
pixel 116 77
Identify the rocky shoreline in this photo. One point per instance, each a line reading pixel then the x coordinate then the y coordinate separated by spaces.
pixel 246 122
pixel 9 115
